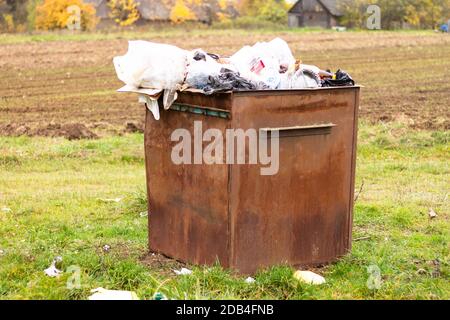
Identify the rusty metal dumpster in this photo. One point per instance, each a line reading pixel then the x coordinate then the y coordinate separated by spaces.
pixel 233 215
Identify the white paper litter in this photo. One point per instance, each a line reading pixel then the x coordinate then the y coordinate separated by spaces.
pixel 183 272
pixel 6 209
pixel 432 214
pixel 309 277
pixel 250 280
pixel 143 214
pixel 52 271
pixel 104 294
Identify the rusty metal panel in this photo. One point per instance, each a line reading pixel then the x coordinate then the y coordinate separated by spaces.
pixel 188 204
pixel 302 215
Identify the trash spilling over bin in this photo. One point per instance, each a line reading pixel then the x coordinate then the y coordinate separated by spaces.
pixel 250 159
pixel 166 69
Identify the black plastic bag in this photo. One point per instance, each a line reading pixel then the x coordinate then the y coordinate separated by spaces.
pixel 343 79
pixel 229 80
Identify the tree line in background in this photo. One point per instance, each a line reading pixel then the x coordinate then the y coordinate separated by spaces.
pixel 28 15
pixel 420 14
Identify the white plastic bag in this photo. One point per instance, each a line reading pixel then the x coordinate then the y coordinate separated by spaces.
pixel 152 65
pixel 152 105
pixel 303 80
pixel 256 65
pixel 170 96
pixel 263 61
pixel 277 49
pixel 306 77
pixel 299 80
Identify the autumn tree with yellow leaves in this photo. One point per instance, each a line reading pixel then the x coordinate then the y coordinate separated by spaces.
pixel 181 12
pixel 427 13
pixel 124 12
pixel 58 14
pixel 420 14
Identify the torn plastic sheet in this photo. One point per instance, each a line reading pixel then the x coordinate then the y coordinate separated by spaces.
pixel 169 98
pixel 151 104
pixel 150 98
pixel 150 92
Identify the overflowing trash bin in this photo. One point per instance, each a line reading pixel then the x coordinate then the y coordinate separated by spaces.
pixel 248 169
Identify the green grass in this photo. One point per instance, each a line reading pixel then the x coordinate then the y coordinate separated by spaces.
pixel 56 190
pixel 176 31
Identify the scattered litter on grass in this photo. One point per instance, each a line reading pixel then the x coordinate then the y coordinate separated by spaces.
pixel 250 280
pixel 159 296
pixel 437 268
pixel 432 214
pixel 106 248
pixel 6 209
pixel 309 277
pixel 143 214
pixel 183 272
pixel 117 200
pixel 2 252
pixel 53 271
pixel 104 294
pixel 421 272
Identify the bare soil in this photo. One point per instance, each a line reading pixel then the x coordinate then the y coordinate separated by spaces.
pixel 67 88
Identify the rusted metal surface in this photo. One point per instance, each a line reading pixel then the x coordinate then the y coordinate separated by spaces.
pixel 188 204
pixel 233 214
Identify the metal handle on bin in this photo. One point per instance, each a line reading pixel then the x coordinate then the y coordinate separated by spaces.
pixel 298 131
pixel 211 112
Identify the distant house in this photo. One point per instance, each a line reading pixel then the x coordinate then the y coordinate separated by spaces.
pixel 314 13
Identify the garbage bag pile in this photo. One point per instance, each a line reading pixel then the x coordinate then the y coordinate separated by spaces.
pixel 153 69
